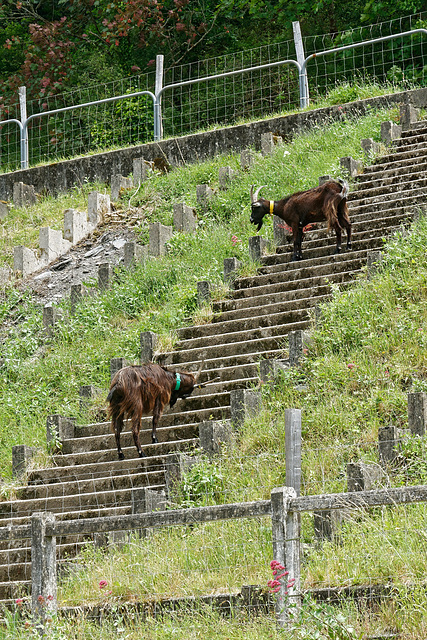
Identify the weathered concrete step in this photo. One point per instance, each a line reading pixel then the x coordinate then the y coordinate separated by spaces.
pixel 97 512
pixel 248 318
pixel 70 502
pixel 15 564
pixel 166 432
pixel 402 199
pixel 394 185
pixel 405 189
pixel 10 591
pixel 396 174
pixel 349 261
pixel 389 162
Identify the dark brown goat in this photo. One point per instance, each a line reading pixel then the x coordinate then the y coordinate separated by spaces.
pixel 143 390
pixel 326 202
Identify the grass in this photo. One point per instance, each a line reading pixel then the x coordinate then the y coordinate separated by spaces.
pixel 377 327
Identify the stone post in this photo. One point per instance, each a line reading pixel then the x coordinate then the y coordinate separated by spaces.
pixel 50 316
pixel 281 232
pixel 258 247
pixel 390 131
pixel 408 116
pixel 43 567
pixel 225 176
pixel 119 184
pixel 247 159
pixel 203 293
pixel 269 370
pixel 231 265
pixel 369 147
pixel 86 393
pixel 148 341
pixel 116 364
pixel 298 341
pixel 24 195
pixel 75 296
pixel 204 193
pixel 105 276
pixel 352 166
pixel 417 412
pixel 21 457
pixel 159 235
pixel 269 141
pixel 244 404
pixel 387 445
pixel 184 218
pixel 323 179
pixel 374 260
pixel 133 253
pixel 213 434
pixel 98 205
pixel 293 449
pixel 177 465
pixel 286 530
pixel 60 428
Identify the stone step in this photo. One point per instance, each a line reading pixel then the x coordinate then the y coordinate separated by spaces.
pixel 401 183
pixel 402 158
pixel 393 175
pixel 10 591
pixel 401 199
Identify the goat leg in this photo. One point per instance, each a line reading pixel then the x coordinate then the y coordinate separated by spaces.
pixel 157 414
pixel 136 425
pixel 117 421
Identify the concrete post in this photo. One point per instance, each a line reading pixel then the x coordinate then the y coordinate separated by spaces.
pixel 60 428
pixel 21 457
pixel 134 253
pixel 369 147
pixel 231 265
pixel 355 477
pixel 298 341
pixel 417 412
pixel 269 370
pixel 244 404
pixel 362 476
pixel 326 524
pixel 43 567
pixel 119 184
pixel 269 141
pixel 286 529
pixel 203 293
pixel 148 341
pixel 184 218
pixel 323 179
pixel 105 276
pixel 352 166
pixel 390 131
pixel 213 434
pixel 177 465
pixel 204 193
pixel 24 195
pixel 4 210
pixel 86 393
pixel 225 176
pixel 247 159
pixel 75 225
pixel 140 171
pixel 159 235
pixel 387 445
pixel 116 364
pixel 258 247
pixel 408 116
pixel 98 206
pixel 293 449
pixel 50 315
pixel 373 262
pixel 75 296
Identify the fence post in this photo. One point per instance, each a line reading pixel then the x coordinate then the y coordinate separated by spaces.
pixel 299 50
pixel 43 566
pixel 293 449
pixel 158 127
pixel 286 550
pixel 22 91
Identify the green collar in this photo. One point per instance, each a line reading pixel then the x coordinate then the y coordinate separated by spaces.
pixel 178 381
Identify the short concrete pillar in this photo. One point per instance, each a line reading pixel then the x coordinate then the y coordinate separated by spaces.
pixel 116 364
pixel 204 193
pixel 247 159
pixel 244 404
pixel 408 116
pixel 323 179
pixel 159 235
pixel 145 500
pixel 148 341
pixel 75 225
pixel 293 448
pixel 5 276
pixel 258 247
pixel 281 232
pixel 120 184
pixel 105 276
pixel 176 465
pixel 60 428
pixel 370 147
pixel 25 260
pixel 417 412
pixel 269 141
pixel 21 457
pixel 231 266
pixel 351 166
pixel 24 195
pixel 270 370
pixel 98 207
pixel 140 170
pixel 318 316
pixel 4 209
pixel 75 296
pixel 203 293
pixel 86 394
pixel 327 524
pixel 214 434
pixel 134 253
pixel 50 317
pixel 225 176
pixel 365 477
pixel 387 445
pixel 298 341
pixel 52 244
pixel 374 259
pixel 43 567
pixel 184 218
pixel 390 131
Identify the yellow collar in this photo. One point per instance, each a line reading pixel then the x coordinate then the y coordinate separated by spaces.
pixel 271 207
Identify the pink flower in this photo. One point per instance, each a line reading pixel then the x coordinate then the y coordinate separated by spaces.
pixel 234 240
pixel 40 599
pixel 19 602
pixel 103 584
pixel 351 365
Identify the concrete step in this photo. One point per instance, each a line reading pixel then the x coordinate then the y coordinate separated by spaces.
pixel 401 199
pixel 396 184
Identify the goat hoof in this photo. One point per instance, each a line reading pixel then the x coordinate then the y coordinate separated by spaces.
pixel 121 455
pixel 141 454
pixel 154 440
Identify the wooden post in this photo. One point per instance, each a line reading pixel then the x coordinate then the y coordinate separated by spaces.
pixel 43 567
pixel 417 412
pixel 286 550
pixel 293 449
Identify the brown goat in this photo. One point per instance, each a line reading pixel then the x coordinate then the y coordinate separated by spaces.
pixel 142 390
pixel 326 202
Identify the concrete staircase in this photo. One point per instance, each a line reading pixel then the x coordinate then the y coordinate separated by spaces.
pixel 86 479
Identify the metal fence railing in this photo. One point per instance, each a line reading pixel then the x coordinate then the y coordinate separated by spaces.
pixel 252 84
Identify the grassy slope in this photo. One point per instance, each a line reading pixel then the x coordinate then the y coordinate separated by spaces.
pixel 377 327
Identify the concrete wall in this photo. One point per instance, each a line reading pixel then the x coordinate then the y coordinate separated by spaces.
pixel 61 176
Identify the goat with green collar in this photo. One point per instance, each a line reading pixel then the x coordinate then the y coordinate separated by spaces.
pixel 137 391
pixel 326 202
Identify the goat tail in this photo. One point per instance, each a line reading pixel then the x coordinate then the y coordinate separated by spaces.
pixel 345 189
pixel 111 393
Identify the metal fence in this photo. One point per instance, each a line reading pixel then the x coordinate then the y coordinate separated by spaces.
pixel 218 91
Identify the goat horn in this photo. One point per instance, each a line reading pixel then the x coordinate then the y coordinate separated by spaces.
pixel 255 197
